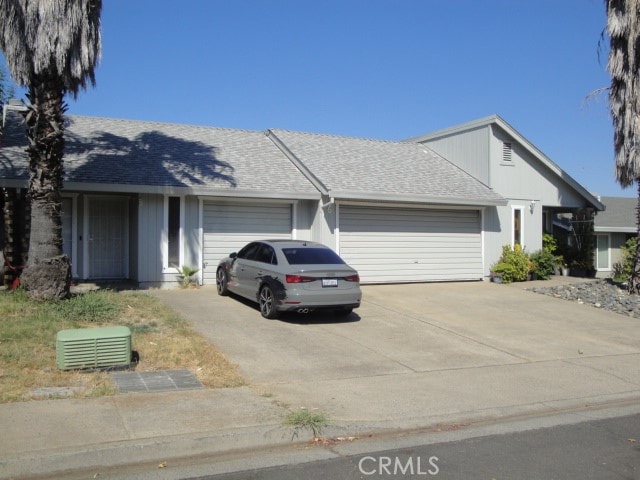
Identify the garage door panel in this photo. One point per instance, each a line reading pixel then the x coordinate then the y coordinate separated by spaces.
pixel 393 245
pixel 407 244
pixel 385 223
pixel 407 259
pixel 228 227
pixel 409 229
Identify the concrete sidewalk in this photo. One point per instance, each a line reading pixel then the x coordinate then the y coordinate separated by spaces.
pixel 430 357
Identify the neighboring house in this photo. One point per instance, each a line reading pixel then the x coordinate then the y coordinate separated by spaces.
pixel 536 189
pixel 613 228
pixel 142 198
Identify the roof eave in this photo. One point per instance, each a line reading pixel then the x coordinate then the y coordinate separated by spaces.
pixel 185 190
pixel 605 229
pixel 421 199
pixel 481 122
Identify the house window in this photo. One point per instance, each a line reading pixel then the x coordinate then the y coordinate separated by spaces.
pixel 602 252
pixel 67 220
pixel 547 222
pixel 174 218
pixel 506 151
pixel 517 226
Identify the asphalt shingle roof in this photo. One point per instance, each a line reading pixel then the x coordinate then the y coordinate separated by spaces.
pixel 360 168
pixel 126 152
pixel 620 214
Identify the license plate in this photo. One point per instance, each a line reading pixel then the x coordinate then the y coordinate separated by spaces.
pixel 329 282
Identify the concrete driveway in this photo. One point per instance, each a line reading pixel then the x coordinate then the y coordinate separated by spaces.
pixel 418 354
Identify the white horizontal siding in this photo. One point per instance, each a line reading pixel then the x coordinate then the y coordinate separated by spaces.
pixel 411 245
pixel 228 227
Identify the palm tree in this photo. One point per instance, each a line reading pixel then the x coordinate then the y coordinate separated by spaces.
pixel 51 47
pixel 623 27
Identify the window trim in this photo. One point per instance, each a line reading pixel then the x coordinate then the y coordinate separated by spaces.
pixel 164 242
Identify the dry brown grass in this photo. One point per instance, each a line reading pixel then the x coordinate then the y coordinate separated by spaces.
pixel 162 338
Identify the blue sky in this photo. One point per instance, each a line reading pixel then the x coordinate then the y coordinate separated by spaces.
pixel 385 69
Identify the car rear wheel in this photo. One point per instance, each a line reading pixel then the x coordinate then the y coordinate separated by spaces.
pixel 267 301
pixel 221 282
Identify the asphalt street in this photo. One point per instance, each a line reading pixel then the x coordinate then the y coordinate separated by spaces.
pixel 594 450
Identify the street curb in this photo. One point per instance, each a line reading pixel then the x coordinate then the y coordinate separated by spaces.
pixel 230 449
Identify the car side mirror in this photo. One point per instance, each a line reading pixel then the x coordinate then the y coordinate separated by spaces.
pixel 233 255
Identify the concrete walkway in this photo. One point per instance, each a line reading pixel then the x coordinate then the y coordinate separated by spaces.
pixel 422 357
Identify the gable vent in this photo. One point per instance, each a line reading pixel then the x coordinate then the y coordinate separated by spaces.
pixel 506 151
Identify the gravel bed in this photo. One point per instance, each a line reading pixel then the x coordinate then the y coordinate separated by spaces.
pixel 598 293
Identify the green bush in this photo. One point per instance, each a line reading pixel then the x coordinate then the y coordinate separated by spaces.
pixel 545 261
pixel 514 264
pixel 549 243
pixel 622 270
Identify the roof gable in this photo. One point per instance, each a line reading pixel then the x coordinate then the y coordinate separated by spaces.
pixel 498 122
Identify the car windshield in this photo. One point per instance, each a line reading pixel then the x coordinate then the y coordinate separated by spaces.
pixel 311 256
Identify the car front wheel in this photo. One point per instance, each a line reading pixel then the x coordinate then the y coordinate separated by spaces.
pixel 267 301
pixel 221 282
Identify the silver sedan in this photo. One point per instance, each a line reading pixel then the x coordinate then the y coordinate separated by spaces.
pixel 290 275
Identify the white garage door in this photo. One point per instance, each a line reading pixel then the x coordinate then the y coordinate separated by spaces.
pixel 228 227
pixel 411 245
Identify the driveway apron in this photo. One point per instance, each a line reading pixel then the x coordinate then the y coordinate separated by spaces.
pixel 418 354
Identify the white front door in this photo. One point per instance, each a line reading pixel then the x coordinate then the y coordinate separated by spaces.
pixel 107 238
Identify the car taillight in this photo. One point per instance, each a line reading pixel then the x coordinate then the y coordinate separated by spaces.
pixel 352 278
pixel 299 279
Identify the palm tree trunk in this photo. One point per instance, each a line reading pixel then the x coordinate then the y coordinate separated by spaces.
pixel 47 275
pixel 634 279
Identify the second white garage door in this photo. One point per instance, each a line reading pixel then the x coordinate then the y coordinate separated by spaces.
pixel 411 245
pixel 228 227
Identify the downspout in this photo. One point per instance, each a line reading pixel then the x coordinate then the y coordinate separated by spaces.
pixel 330 204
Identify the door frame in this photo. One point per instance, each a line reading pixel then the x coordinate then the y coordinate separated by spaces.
pixel 85 233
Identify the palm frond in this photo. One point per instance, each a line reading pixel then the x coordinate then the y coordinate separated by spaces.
pixel 47 37
pixel 623 28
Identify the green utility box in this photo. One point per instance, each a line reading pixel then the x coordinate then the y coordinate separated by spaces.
pixel 93 348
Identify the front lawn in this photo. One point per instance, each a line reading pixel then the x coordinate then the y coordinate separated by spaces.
pixel 162 338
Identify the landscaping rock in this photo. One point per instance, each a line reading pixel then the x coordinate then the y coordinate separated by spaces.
pixel 602 294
